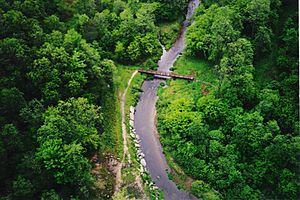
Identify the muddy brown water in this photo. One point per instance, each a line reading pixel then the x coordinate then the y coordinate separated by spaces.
pixel 145 119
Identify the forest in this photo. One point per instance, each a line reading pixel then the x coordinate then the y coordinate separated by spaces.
pixel 59 59
pixel 240 138
pixel 57 64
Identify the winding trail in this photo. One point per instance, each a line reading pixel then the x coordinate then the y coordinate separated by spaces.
pixel 124 135
pixel 145 119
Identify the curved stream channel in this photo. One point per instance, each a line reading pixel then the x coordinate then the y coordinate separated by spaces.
pixel 145 119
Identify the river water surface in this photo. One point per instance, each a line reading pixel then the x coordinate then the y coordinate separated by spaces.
pixel 145 119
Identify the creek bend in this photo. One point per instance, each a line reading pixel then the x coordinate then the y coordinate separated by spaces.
pixel 145 118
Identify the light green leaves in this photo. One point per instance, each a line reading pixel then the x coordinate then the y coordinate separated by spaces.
pixel 70 130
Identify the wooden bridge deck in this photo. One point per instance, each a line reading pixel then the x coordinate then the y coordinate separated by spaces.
pixel 166 75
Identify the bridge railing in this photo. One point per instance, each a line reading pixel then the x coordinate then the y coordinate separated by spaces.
pixel 162 74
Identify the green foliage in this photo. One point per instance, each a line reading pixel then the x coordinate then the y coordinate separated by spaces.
pixel 22 188
pixel 53 22
pixel 64 70
pixel 50 195
pixel 169 10
pixel 64 162
pixel 199 187
pixel 217 27
pixel 203 190
pixel 249 134
pixel 74 120
pixel 13 54
pixel 138 35
pixel 257 12
pixel 225 129
pixel 68 134
pixel 243 142
pixel 236 73
pixel 14 22
pixel 11 101
pixel 32 114
pixel 263 40
pixel 10 143
pixel 213 109
pixel 142 47
pixel 56 70
pixel 269 100
pixel 168 33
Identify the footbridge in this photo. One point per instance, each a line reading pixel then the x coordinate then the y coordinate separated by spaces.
pixel 166 75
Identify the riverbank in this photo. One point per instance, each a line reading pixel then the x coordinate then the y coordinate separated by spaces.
pixel 127 171
pixel 168 32
pixel 176 96
pixel 130 184
pixel 127 82
pixel 145 118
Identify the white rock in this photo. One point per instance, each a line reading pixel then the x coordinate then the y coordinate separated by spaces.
pixel 131 116
pixel 139 151
pixel 137 141
pixel 141 155
pixel 137 145
pixel 131 123
pixel 142 169
pixel 137 137
pixel 131 109
pixel 143 162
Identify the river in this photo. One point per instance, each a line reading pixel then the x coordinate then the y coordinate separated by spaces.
pixel 145 119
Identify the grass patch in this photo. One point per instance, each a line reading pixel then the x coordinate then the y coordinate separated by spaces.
pixel 122 76
pixel 203 70
pixel 111 109
pixel 205 81
pixel 112 136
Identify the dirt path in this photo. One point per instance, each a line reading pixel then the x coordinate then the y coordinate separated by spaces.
pixel 124 135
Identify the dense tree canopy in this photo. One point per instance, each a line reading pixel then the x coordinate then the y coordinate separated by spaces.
pixel 68 134
pixel 169 10
pixel 58 59
pixel 57 65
